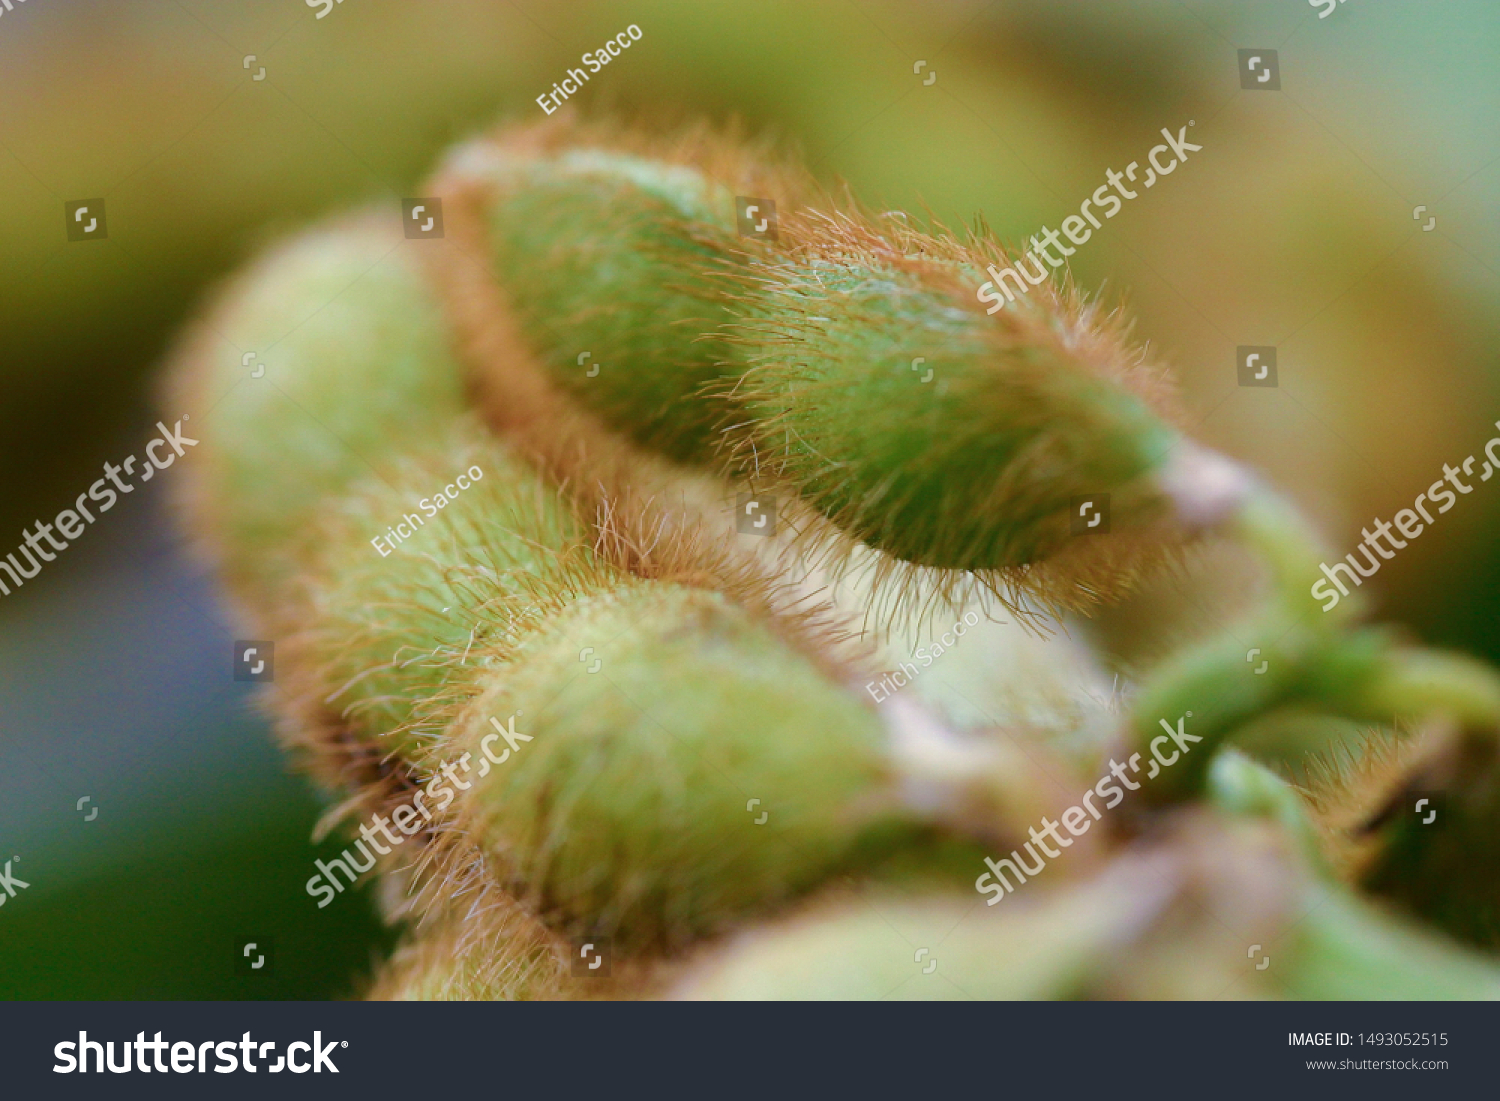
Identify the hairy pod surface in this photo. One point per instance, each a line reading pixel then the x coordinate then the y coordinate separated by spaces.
pixel 597 717
pixel 629 753
pixel 792 361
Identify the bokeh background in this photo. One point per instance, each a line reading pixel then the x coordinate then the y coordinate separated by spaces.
pixel 1293 227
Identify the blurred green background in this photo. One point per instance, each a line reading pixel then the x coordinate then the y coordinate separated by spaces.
pixel 1293 227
